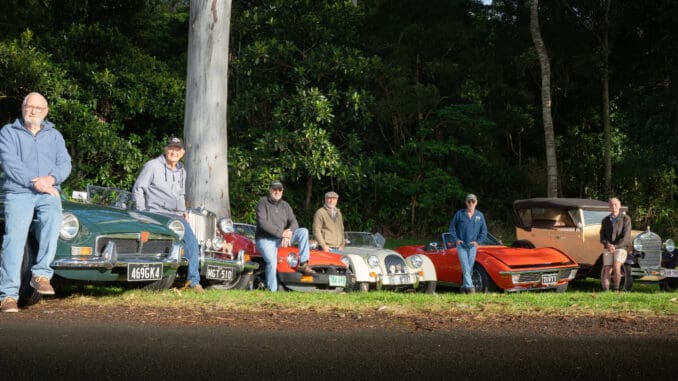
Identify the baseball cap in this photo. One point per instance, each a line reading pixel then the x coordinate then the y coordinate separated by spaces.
pixel 471 196
pixel 331 194
pixel 276 184
pixel 175 142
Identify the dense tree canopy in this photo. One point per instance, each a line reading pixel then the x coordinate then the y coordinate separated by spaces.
pixel 401 108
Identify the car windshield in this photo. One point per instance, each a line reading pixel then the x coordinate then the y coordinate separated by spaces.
pixel 547 218
pixel 111 197
pixel 364 239
pixel 594 217
pixel 247 230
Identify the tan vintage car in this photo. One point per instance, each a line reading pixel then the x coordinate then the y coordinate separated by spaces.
pixel 571 225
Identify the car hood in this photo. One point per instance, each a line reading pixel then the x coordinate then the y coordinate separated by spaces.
pixel 367 251
pixel 111 220
pixel 522 257
pixel 319 258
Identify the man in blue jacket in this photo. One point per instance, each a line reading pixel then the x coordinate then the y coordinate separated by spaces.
pixel 161 188
pixel 35 162
pixel 467 229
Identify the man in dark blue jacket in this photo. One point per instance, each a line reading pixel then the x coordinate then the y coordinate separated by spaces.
pixel 467 228
pixel 35 162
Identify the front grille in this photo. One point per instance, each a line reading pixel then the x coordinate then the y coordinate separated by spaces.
pixel 536 276
pixel 331 270
pixel 157 246
pixel 652 249
pixel 122 245
pixel 131 245
pixel 395 264
pixel 203 223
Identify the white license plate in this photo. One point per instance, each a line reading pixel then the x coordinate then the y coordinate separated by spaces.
pixel 671 273
pixel 219 272
pixel 337 280
pixel 399 279
pixel 548 279
pixel 137 272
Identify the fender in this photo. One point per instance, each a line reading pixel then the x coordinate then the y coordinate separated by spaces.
pixel 427 266
pixel 360 268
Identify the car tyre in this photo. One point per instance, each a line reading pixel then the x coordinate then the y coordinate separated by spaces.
pixel 562 288
pixel 427 287
pixel 626 281
pixel 243 282
pixel 481 280
pixel 27 294
pixel 163 284
pixel 363 286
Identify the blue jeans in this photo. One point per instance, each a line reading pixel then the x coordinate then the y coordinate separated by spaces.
pixel 467 257
pixel 268 247
pixel 191 253
pixel 19 210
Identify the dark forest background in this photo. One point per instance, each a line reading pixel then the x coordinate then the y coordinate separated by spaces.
pixel 402 106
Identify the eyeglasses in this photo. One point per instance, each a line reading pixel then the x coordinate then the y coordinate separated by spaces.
pixel 470 201
pixel 36 108
pixel 276 189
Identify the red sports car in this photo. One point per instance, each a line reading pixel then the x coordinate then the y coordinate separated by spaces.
pixel 498 267
pixel 332 271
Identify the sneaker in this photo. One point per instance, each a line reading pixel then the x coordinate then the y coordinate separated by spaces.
pixel 41 285
pixel 471 290
pixel 305 269
pixel 198 288
pixel 9 305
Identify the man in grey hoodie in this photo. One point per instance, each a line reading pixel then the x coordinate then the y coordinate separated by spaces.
pixel 35 162
pixel 161 188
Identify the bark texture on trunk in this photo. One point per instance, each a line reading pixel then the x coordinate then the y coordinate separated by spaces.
pixel 549 135
pixel 206 99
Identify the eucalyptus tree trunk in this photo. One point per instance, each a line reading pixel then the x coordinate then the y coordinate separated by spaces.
pixel 549 136
pixel 206 94
pixel 605 78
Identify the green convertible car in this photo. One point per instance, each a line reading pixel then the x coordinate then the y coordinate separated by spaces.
pixel 102 244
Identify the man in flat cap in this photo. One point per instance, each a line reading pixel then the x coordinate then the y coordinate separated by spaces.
pixel 467 228
pixel 278 227
pixel 328 225
pixel 161 188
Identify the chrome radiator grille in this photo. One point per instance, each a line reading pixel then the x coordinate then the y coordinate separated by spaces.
pixel 203 223
pixel 652 249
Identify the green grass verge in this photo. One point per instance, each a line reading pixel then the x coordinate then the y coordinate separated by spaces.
pixel 581 301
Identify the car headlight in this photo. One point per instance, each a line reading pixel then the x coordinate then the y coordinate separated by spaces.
pixel 217 243
pixel 416 261
pixel 373 261
pixel 346 261
pixel 637 245
pixel 177 227
pixel 69 226
pixel 225 225
pixel 292 260
pixel 669 245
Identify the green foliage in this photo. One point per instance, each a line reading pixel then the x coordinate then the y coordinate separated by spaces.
pixel 402 108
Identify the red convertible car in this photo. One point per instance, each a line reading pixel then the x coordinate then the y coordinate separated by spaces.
pixel 498 267
pixel 332 271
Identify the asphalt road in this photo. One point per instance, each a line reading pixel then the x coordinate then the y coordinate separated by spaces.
pixel 38 350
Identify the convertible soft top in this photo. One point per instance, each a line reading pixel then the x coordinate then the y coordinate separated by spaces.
pixel 565 203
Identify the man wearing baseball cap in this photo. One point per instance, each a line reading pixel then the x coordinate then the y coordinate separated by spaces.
pixel 278 227
pixel 467 229
pixel 161 188
pixel 328 224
